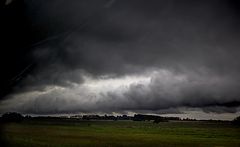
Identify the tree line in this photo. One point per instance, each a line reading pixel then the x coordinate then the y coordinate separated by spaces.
pixel 17 117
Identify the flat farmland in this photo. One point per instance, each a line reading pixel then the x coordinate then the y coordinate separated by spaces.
pixel 63 133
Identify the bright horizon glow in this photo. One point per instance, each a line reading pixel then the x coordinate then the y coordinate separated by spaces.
pixel 112 84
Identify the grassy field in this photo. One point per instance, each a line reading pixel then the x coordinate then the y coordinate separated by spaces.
pixel 120 133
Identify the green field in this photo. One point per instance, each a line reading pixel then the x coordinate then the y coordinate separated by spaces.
pixel 120 133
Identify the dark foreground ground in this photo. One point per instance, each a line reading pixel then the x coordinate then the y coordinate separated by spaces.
pixel 119 133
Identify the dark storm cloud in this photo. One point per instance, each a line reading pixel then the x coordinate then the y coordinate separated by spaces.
pixel 176 35
pixel 167 90
pixel 197 41
pixel 164 93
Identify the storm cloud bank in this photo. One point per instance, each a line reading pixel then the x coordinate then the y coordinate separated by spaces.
pixel 118 56
pixel 154 91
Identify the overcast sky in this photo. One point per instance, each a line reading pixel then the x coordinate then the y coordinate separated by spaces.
pixel 121 56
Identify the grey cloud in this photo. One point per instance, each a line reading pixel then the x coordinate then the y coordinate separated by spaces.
pixel 166 92
pixel 196 42
pixel 169 90
pixel 178 35
pixel 220 109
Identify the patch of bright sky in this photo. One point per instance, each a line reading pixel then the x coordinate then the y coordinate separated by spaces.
pixel 200 115
pixel 114 84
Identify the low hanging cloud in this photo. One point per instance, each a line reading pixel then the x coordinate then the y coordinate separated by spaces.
pixel 118 56
pixel 154 91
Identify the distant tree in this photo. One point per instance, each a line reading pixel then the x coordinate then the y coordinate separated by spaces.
pixel 156 121
pixel 160 119
pixel 28 117
pixel 236 121
pixel 12 117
